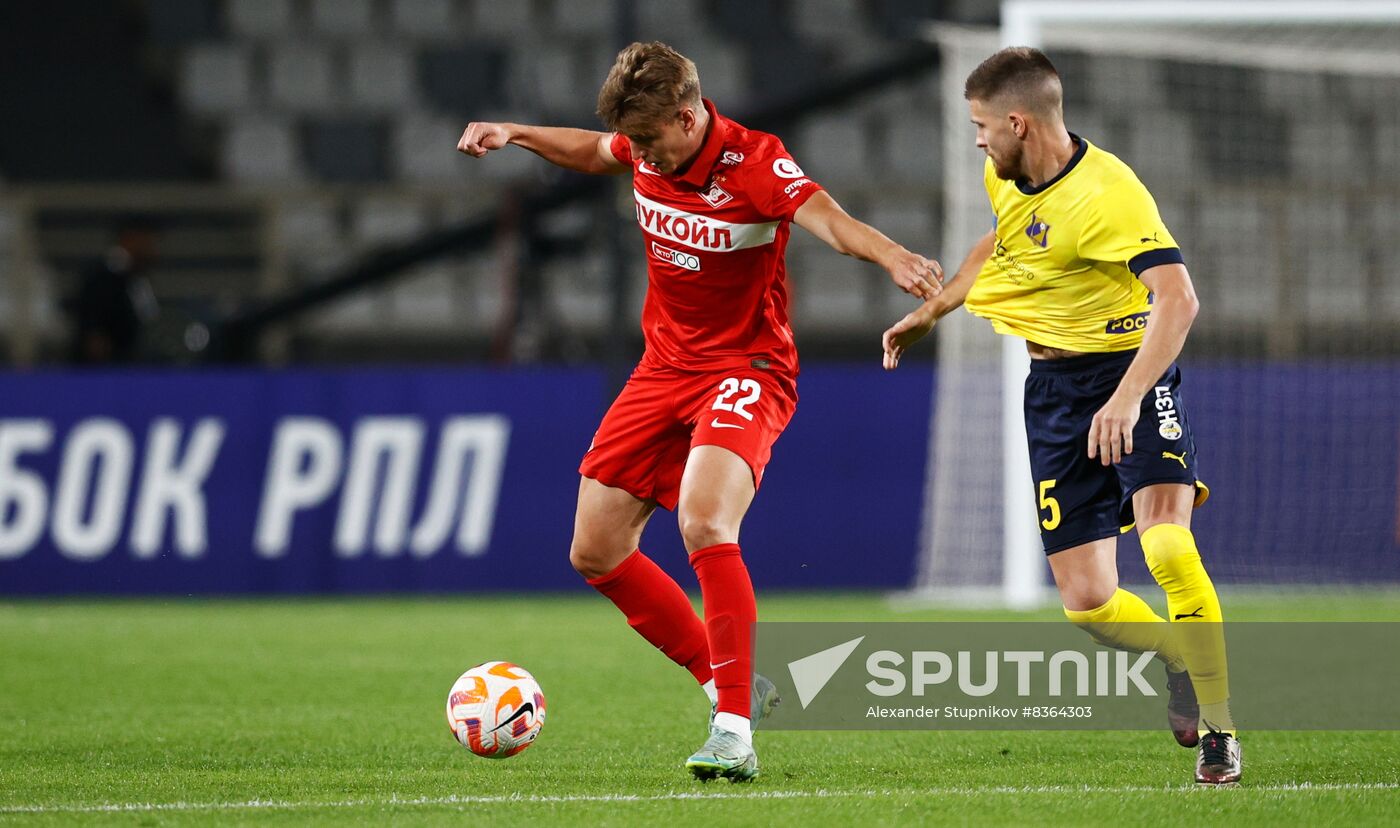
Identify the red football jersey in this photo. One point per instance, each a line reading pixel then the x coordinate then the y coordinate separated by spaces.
pixel 715 241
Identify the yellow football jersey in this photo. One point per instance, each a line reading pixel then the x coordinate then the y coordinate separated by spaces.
pixel 1063 272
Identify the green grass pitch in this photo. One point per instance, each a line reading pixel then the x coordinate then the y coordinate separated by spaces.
pixel 331 711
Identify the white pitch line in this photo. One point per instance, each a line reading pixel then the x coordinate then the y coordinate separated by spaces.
pixel 267 804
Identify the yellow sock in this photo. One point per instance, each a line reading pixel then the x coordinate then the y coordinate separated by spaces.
pixel 1126 622
pixel 1196 618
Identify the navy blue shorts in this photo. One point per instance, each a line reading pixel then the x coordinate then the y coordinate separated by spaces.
pixel 1081 500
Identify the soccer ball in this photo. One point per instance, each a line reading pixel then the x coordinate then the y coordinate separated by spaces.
pixel 495 709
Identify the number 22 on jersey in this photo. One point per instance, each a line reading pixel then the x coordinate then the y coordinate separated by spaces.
pixel 731 387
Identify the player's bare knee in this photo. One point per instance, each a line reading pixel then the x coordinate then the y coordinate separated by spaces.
pixel 582 562
pixel 700 531
pixel 1154 519
pixel 591 560
pixel 1085 597
pixel 1166 503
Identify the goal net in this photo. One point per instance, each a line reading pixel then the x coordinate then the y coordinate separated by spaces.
pixel 1269 134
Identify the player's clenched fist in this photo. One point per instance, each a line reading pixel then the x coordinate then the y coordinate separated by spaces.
pixel 916 275
pixel 906 332
pixel 481 137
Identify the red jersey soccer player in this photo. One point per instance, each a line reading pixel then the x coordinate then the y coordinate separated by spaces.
pixel 694 426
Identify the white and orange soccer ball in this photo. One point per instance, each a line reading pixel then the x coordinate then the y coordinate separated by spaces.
pixel 495 709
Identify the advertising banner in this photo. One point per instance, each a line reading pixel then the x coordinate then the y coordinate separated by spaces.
pixel 447 479
pixel 406 480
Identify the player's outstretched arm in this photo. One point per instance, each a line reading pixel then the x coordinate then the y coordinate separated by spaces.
pixel 581 150
pixel 1174 308
pixel 917 324
pixel 823 217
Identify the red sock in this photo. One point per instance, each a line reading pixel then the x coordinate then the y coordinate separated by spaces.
pixel 729 617
pixel 658 609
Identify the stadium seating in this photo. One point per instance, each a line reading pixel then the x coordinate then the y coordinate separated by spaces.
pixel 333 108
pixel 316 94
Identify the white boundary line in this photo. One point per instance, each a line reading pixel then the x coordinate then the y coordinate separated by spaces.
pixel 676 796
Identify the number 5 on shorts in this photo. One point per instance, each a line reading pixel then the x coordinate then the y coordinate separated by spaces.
pixel 731 386
pixel 1048 502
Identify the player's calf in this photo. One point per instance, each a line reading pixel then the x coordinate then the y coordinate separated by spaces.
pixel 659 610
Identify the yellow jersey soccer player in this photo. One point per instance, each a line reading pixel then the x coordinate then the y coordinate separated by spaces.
pixel 1080 265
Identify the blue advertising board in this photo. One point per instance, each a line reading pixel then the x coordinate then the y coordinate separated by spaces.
pixel 1302 460
pixel 405 480
pixel 447 480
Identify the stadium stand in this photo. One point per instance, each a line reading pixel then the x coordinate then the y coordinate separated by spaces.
pixel 315 114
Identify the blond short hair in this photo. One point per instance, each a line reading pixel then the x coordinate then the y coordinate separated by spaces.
pixel 648 85
pixel 1017 76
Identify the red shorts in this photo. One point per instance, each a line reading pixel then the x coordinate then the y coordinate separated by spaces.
pixel 644 439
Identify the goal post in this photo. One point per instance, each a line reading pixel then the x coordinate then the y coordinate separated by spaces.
pixel 1023 22
pixel 979 539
